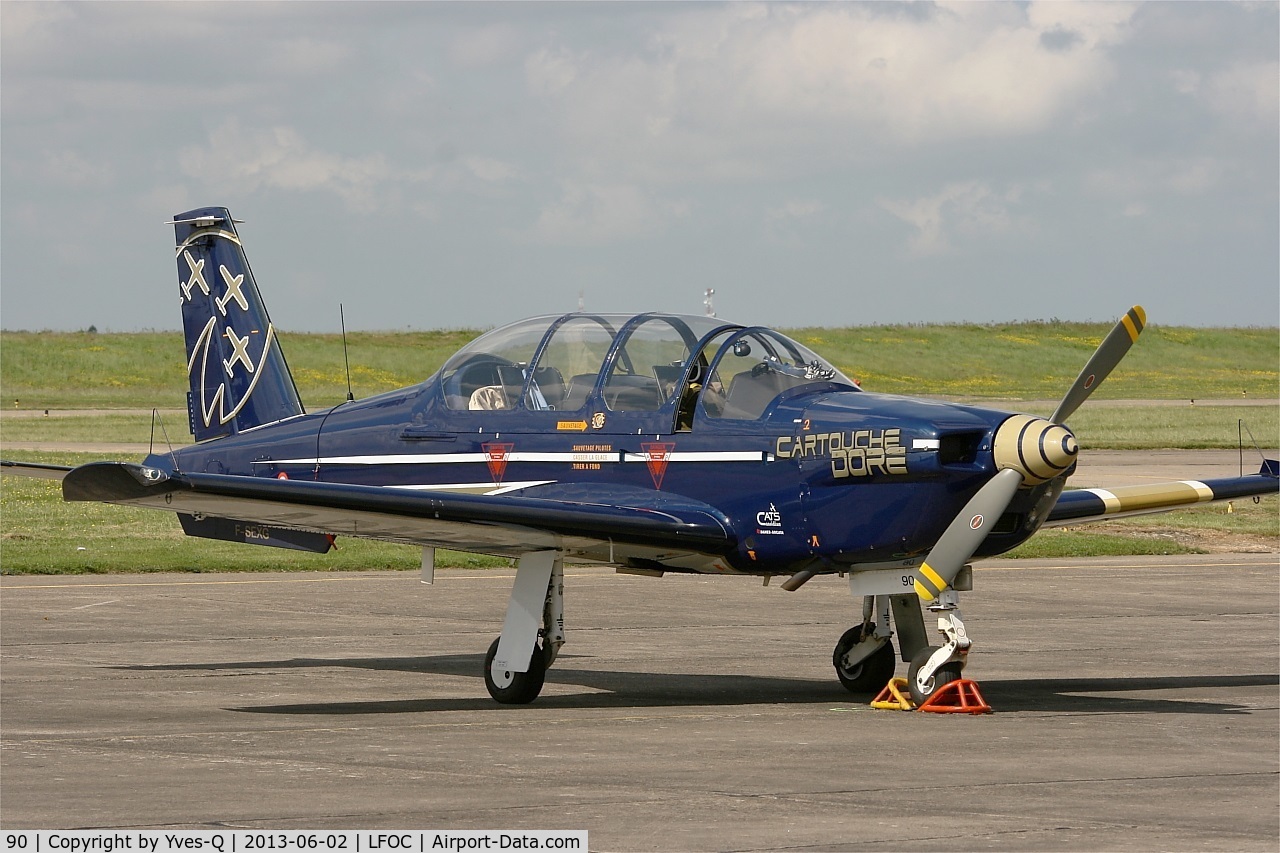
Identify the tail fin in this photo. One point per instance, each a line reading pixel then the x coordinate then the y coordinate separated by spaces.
pixel 239 378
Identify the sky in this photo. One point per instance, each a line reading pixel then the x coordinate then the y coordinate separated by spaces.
pixel 464 165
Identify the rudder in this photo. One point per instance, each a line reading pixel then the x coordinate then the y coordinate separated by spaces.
pixel 238 376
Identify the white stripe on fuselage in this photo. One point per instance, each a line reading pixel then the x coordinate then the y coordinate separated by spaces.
pixel 608 457
pixel 473 488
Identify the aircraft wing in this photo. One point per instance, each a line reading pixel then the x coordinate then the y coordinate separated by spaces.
pixel 1079 506
pixel 573 519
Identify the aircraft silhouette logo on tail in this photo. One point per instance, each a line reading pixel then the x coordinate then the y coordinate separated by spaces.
pixel 237 373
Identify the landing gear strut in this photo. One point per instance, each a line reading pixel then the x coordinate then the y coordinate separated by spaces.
pixel 934 666
pixel 516 665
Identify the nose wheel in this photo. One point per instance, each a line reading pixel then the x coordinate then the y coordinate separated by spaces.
pixel 922 682
pixel 934 666
pixel 515 688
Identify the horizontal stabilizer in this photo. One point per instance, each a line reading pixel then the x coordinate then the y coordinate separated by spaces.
pixel 34 469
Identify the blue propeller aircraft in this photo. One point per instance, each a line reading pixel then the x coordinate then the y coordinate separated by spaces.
pixel 653 443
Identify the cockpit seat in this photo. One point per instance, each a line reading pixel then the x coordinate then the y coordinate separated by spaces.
pixel 575 394
pixel 751 392
pixel 551 383
pixel 630 393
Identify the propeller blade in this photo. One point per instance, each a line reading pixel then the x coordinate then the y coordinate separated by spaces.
pixel 965 533
pixel 1104 359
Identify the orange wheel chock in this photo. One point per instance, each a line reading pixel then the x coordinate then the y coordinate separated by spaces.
pixel 957 697
pixel 892 698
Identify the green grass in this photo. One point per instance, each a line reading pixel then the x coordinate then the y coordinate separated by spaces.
pixel 1029 361
pixel 145 369
pixel 1184 531
pixel 1025 361
pixel 111 428
pixel 1049 544
pixel 1151 427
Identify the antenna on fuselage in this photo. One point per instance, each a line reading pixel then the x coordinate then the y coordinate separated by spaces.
pixel 345 361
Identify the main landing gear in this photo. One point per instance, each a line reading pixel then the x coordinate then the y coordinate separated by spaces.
pixel 863 656
pixel 515 667
pixel 864 659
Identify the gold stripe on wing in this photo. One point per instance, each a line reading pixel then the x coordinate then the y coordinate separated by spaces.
pixel 1110 503
pixel 1158 496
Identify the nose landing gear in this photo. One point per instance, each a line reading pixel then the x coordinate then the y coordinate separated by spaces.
pixel 935 666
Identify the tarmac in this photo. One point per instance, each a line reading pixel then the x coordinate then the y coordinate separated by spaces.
pixel 1136 707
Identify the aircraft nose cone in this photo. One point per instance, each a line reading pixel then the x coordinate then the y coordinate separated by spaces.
pixel 1034 447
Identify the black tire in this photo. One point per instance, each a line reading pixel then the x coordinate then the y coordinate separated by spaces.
pixel 945 674
pixel 869 676
pixel 522 687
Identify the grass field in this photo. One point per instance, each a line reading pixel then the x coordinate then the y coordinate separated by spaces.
pixel 1025 362
pixel 1029 361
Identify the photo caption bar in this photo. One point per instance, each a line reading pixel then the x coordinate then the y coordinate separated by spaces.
pixel 253 841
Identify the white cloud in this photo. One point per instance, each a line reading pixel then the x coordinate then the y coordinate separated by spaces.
pixel 32 24
pixel 489 170
pixel 784 136
pixel 486 45
pixel 1243 90
pixel 1246 89
pixel 302 57
pixel 71 169
pixel 550 72
pixel 1159 176
pixel 744 89
pixel 1095 24
pixel 592 214
pixel 278 158
pixel 1185 81
pixel 797 209
pixel 970 209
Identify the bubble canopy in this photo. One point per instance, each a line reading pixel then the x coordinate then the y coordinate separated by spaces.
pixel 631 363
